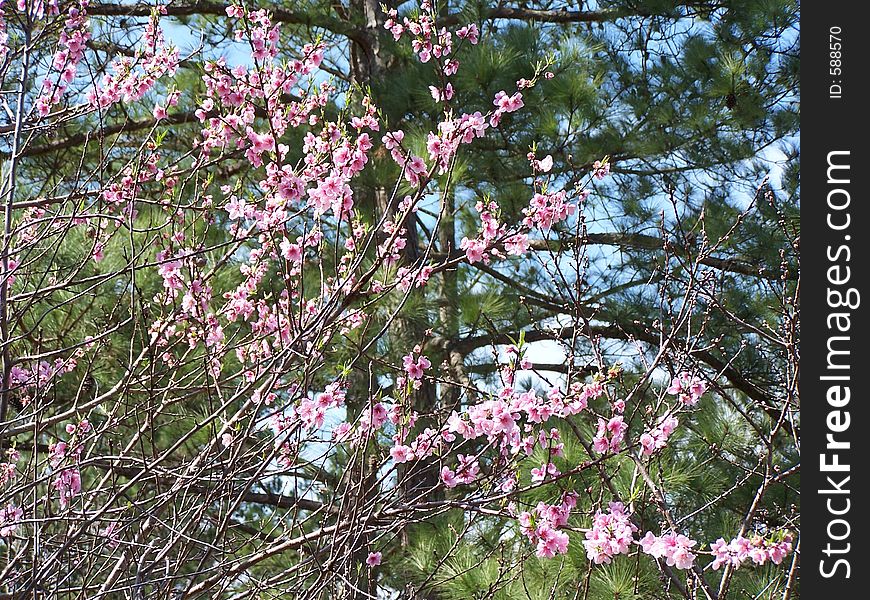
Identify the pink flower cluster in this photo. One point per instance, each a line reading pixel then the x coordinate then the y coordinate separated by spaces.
pixel 417 277
pixel 415 368
pixel 550 208
pixel 263 37
pixel 427 40
pixel 480 248
pixel 541 473
pixel 430 42
pixel 545 165
pixel 413 167
pixel 541 525
pixel 498 419
pixel 68 481
pixel 68 484
pixel 391 248
pixel 688 388
pixel 505 103
pixel 121 193
pixel 610 434
pixel 234 95
pixel 35 9
pixel 600 170
pixel 371 420
pixel 135 76
pixel 195 321
pixel 451 134
pixel 82 428
pixel 545 210
pixel 374 417
pixel 312 412
pixel 657 438
pixel 71 47
pixel 42 377
pixel 7 468
pixel 612 533
pixel 470 33
pixel 10 515
pixel 757 549
pixel 675 548
pixel 466 472
pixel 400 453
pixel 426 444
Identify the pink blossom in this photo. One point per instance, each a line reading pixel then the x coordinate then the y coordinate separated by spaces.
pixel 236 208
pixel 374 559
pixel 56 453
pixel 7 472
pixel 540 473
pixel 657 438
pixel 600 170
pixel 468 468
pixel 68 484
pixel 551 542
pixel 474 249
pixel 311 415
pixel 341 432
pixel 516 245
pixel 456 424
pixel 612 533
pixel 758 549
pixel 9 518
pixel 415 369
pixel 291 251
pixel 610 434
pixel 401 453
pixel 541 526
pixel 674 548
pixel 110 532
pixel 98 252
pixel 545 210
pixel 393 139
pixel 508 103
pixel 688 388
pixel 448 477
pixel 469 32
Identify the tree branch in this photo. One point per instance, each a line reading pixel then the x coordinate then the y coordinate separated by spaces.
pixel 205 7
